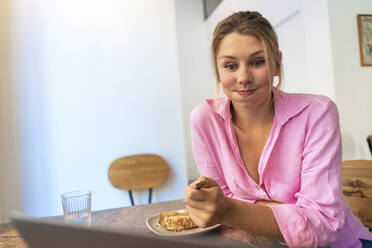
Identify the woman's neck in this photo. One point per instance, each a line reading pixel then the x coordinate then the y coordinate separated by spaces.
pixel 253 119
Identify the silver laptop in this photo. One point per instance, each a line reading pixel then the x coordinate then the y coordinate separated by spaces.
pixel 43 233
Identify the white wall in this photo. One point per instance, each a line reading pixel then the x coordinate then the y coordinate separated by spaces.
pixel 304 37
pixel 197 81
pixel 353 82
pixel 275 11
pixel 94 80
pixel 319 64
pixel 295 77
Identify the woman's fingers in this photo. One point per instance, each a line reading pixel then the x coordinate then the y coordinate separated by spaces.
pixel 195 194
pixel 205 202
pixel 195 218
pixel 203 182
pixel 201 217
pixel 212 194
pixel 206 206
pixel 194 204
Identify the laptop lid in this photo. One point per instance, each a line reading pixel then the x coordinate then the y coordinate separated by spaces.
pixel 44 233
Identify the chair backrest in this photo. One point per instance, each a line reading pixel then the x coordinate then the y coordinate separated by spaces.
pixel 141 171
pixel 357 188
pixel 369 141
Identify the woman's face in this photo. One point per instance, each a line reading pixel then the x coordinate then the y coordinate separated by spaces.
pixel 242 71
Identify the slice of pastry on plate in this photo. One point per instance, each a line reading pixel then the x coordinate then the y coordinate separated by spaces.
pixel 176 221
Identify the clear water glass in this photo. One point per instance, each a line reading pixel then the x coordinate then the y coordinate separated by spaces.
pixel 77 207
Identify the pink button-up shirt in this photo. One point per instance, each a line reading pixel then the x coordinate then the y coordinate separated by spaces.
pixel 300 166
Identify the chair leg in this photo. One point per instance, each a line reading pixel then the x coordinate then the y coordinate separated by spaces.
pixel 131 197
pixel 369 145
pixel 150 194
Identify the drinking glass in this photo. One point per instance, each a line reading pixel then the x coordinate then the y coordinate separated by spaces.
pixel 77 207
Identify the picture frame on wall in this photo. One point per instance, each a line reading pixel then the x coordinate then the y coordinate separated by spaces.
pixel 365 38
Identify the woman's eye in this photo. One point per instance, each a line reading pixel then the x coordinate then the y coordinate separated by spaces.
pixel 230 66
pixel 257 63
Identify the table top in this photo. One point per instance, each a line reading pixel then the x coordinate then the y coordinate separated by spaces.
pixel 133 220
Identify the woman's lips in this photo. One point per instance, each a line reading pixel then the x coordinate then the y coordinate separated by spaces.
pixel 245 92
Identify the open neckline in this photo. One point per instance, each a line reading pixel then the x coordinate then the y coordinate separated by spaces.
pixel 266 149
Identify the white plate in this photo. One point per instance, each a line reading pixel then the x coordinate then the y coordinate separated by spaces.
pixel 153 224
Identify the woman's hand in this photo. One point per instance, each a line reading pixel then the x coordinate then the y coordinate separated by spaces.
pixel 206 205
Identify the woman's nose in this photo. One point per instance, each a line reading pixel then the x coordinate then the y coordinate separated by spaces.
pixel 244 75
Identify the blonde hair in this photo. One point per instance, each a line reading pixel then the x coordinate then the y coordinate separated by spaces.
pixel 249 23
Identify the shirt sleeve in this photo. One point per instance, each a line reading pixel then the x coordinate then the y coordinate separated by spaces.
pixel 203 157
pixel 317 215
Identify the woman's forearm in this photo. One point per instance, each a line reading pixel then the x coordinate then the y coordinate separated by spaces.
pixel 253 218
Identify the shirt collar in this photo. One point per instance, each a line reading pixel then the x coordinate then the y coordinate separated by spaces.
pixel 286 106
pixel 221 106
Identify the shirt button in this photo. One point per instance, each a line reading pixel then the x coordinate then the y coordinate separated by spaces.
pixel 336 215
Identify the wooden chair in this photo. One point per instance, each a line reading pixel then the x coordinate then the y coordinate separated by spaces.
pixel 369 141
pixel 357 188
pixel 141 171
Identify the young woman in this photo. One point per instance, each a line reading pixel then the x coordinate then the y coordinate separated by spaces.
pixel 271 160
